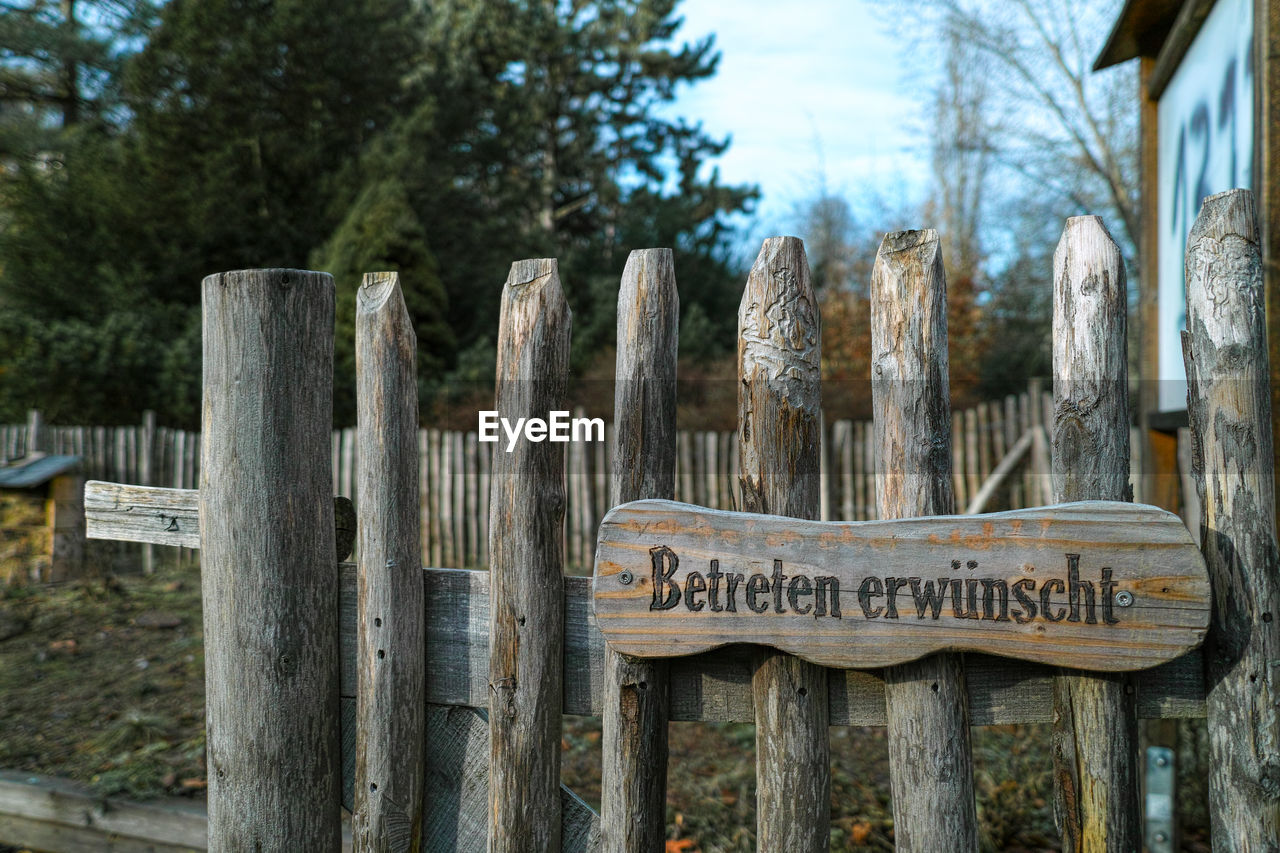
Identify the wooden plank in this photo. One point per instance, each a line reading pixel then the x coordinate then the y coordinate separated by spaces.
pixel 1226 359
pixel 142 514
pixel 779 429
pixel 635 701
pixel 933 802
pixel 1042 585
pixel 47 813
pixel 391 668
pixel 712 687
pixel 526 631
pixel 1095 728
pixel 716 686
pixel 457 786
pixel 267 565
pixel 55 814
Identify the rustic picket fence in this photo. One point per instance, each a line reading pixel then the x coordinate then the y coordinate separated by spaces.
pixel 320 667
pixel 999 451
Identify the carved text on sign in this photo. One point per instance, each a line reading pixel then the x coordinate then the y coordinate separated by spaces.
pixel 1096 585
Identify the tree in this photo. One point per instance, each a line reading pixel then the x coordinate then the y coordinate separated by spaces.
pixel 1056 126
pixel 60 66
pixel 536 133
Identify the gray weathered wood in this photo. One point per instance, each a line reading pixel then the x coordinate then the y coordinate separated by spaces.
pixel 1007 464
pixel 269 577
pixel 779 404
pixel 457 785
pixel 390 722
pixel 126 513
pixel 927 705
pixel 1037 584
pixel 47 813
pixel 1225 349
pixel 1095 727
pixel 633 788
pixel 715 687
pixel 526 634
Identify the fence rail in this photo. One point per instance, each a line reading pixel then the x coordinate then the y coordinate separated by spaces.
pixel 455 473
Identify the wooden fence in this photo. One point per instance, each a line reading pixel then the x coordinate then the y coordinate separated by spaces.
pixel 999 451
pixel 312 682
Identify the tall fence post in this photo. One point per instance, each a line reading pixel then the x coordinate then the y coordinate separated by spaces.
pixel 926 701
pixel 268 566
pixel 526 598
pixel 779 400
pixel 146 475
pixel 391 670
pixel 633 795
pixel 1225 349
pixel 1095 719
pixel 35 439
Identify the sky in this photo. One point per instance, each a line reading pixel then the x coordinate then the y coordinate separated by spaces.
pixel 807 89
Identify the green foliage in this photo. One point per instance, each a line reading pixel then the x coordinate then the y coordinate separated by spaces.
pixel 60 65
pixel 382 233
pixel 443 142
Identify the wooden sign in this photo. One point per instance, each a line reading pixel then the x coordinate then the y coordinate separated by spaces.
pixel 1094 585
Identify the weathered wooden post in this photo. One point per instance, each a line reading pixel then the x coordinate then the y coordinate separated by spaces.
pixel 633 796
pixel 1225 349
pixel 779 398
pixel 526 512
pixel 146 475
pixel 391 670
pixel 36 438
pixel 926 700
pixel 268 568
pixel 1095 719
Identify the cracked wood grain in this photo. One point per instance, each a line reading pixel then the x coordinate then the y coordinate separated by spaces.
pixel 927 699
pixel 526 539
pixel 1225 350
pixel 635 700
pixel 779 398
pixel 1095 720
pixel 268 571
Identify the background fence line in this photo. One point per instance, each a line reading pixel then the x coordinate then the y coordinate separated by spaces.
pixel 455 477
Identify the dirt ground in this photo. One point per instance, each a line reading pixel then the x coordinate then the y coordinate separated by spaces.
pixel 103 683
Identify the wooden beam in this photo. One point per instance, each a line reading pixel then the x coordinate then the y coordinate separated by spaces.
pixel 713 687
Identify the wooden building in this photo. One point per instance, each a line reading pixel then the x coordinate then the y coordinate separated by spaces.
pixel 44 497
pixel 1209 94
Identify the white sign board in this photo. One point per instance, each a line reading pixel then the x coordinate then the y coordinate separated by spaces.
pixel 1206 147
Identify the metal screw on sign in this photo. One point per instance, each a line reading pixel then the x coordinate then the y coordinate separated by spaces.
pixel 1124 598
pixel 625 577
